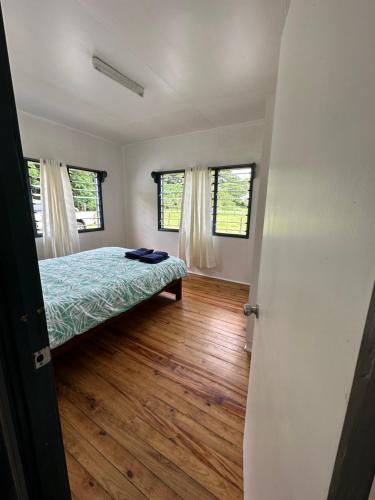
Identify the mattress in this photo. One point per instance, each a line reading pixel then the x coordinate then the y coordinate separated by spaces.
pixel 82 290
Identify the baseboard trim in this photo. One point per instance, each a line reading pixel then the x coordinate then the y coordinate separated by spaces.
pixel 219 278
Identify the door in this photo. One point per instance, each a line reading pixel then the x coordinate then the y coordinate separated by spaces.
pixel 317 264
pixel 32 453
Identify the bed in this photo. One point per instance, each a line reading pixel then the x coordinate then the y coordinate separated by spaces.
pixel 83 290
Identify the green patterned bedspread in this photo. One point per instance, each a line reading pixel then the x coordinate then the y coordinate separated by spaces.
pixel 82 290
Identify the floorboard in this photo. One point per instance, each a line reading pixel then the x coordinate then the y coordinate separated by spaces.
pixel 154 406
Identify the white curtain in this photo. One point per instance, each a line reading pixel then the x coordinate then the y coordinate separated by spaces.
pixel 60 231
pixel 195 239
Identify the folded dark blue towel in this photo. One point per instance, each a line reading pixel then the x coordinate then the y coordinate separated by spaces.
pixel 154 258
pixel 163 254
pixel 136 254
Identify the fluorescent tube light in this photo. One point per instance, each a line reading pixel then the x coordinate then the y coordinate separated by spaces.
pixel 111 72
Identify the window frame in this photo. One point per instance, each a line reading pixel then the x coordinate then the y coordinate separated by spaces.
pixel 157 175
pixel 157 179
pixel 215 195
pixel 102 174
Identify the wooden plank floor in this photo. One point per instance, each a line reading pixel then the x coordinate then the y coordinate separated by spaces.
pixel 153 407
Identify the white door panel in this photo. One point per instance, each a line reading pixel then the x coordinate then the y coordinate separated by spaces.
pixel 318 252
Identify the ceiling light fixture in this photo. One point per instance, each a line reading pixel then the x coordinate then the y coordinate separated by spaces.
pixel 111 72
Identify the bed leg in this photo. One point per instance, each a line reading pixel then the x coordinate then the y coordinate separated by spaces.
pixel 177 289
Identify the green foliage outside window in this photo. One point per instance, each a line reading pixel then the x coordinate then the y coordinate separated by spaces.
pixel 84 189
pixel 34 175
pixel 171 189
pixel 232 201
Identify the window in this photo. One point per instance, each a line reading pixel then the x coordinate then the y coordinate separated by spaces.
pixel 170 190
pixel 33 170
pixel 87 197
pixel 231 200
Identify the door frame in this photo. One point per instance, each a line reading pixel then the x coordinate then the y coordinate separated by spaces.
pixel 354 467
pixel 29 416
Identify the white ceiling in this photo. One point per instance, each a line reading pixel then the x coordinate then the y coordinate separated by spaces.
pixel 203 63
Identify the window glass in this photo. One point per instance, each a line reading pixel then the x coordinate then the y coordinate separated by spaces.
pixel 87 198
pixel 231 200
pixel 170 200
pixel 33 170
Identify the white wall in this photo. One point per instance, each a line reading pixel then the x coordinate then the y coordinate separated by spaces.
pixel 45 139
pixel 317 264
pixel 235 144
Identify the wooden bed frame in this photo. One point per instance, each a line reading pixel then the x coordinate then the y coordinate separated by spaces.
pixel 175 287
